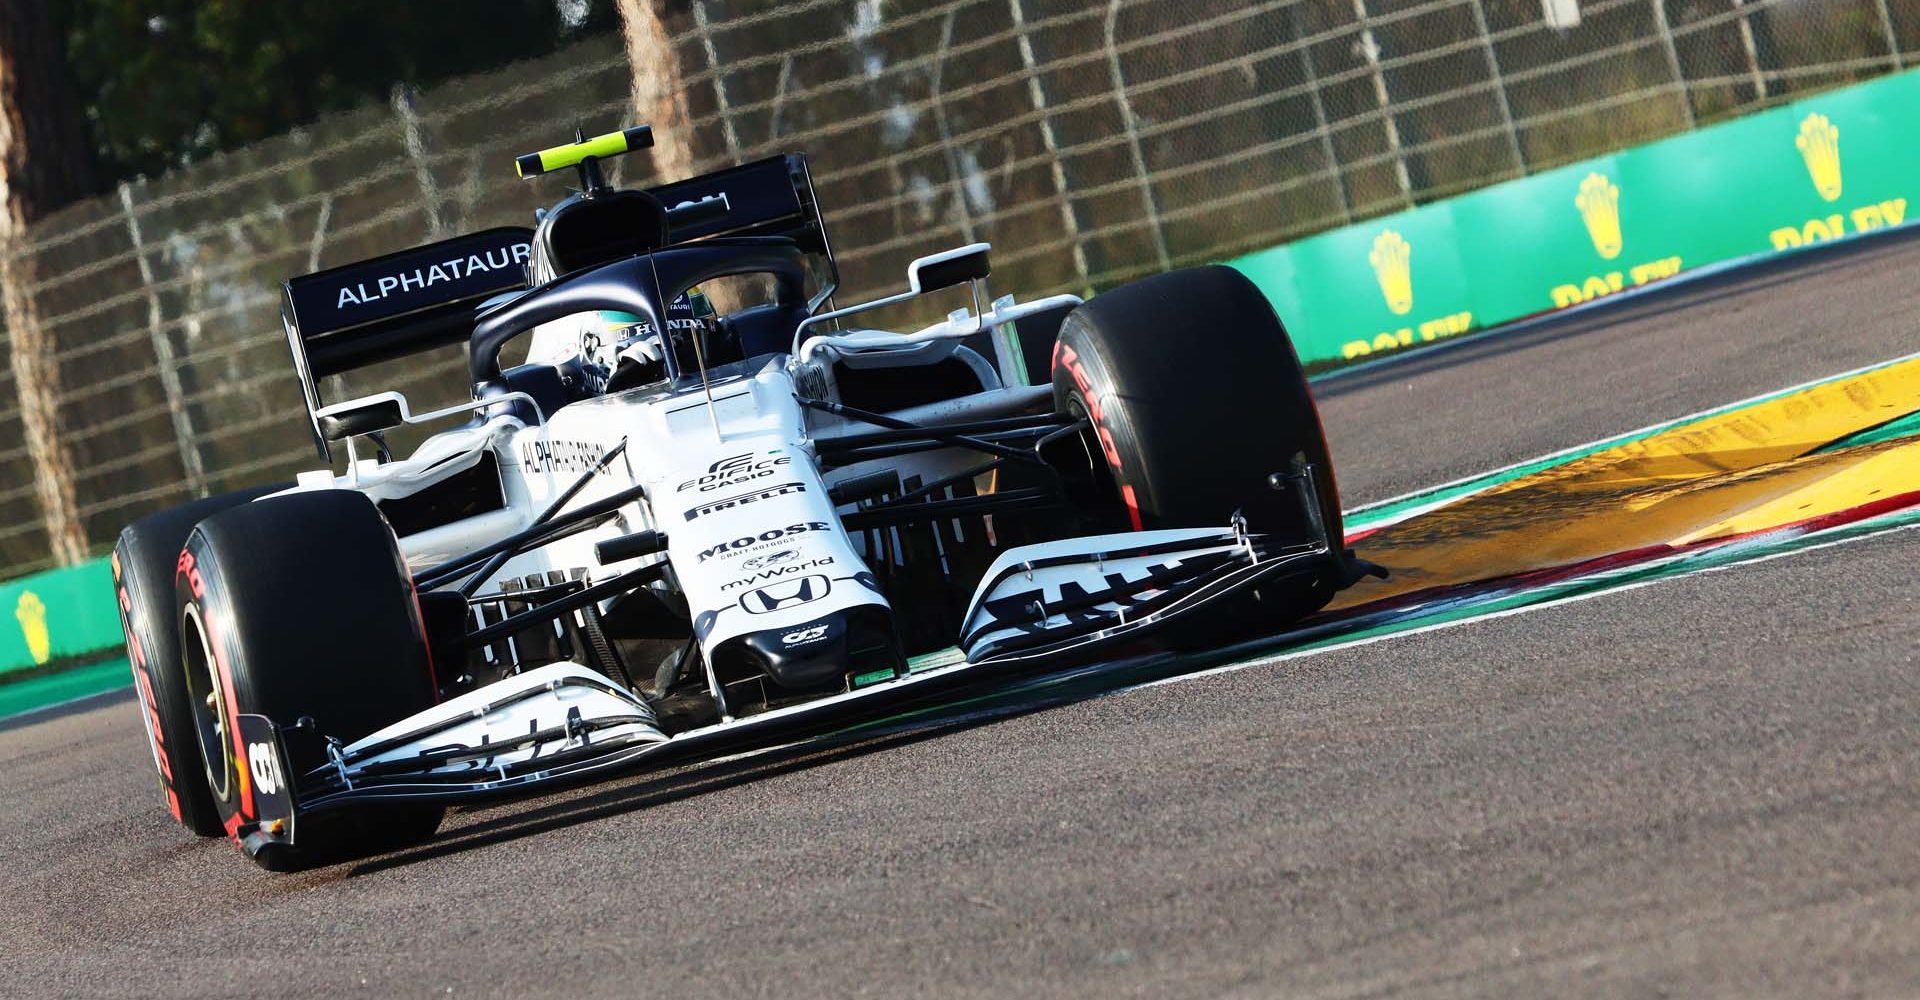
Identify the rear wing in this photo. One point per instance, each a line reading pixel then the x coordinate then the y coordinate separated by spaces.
pixel 770 197
pixel 395 305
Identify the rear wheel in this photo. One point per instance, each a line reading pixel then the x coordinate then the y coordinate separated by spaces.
pixel 300 607
pixel 1195 400
pixel 143 566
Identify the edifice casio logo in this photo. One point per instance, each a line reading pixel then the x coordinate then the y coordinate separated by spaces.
pixel 1391 260
pixel 1599 205
pixel 31 612
pixel 1819 143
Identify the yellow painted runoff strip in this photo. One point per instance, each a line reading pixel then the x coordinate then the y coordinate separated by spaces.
pixel 1766 432
pixel 1874 475
pixel 1739 472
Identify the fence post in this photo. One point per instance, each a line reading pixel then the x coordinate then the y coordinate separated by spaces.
pixel 958 183
pixel 416 144
pixel 1893 39
pixel 1371 49
pixel 1499 86
pixel 1037 93
pixel 1320 114
pixel 164 360
pixel 1133 137
pixel 1753 51
pixel 725 107
pixel 1673 59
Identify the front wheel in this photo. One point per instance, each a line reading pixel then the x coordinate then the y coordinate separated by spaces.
pixel 1195 399
pixel 301 608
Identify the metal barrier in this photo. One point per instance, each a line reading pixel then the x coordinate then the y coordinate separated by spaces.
pixel 1090 140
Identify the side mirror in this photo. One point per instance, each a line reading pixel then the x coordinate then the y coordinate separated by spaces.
pixel 366 415
pixel 949 268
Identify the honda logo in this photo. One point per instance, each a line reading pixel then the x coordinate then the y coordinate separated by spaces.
pixel 785 594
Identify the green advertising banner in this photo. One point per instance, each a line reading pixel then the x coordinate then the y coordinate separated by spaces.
pixel 1827 167
pixel 61 614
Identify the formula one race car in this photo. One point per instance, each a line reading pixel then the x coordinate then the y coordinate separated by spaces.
pixel 686 525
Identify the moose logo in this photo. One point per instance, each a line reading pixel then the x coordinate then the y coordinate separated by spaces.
pixel 1390 256
pixel 32 614
pixel 785 594
pixel 1599 205
pixel 1819 143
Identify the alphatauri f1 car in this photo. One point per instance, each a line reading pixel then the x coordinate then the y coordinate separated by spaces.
pixel 690 522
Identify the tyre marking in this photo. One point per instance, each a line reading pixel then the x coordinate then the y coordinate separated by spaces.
pixel 143 687
pixel 420 619
pixel 189 570
pixel 1133 506
pixel 229 696
pixel 1065 357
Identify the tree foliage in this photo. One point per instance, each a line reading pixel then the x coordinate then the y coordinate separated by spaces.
pixel 166 82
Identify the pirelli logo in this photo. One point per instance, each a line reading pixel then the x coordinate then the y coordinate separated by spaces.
pixel 746 498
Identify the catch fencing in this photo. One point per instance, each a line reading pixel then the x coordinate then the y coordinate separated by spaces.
pixel 1091 141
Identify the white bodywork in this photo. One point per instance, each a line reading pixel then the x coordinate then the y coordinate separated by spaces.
pixel 733 481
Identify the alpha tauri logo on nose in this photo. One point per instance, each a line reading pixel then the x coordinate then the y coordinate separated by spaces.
pixel 785 594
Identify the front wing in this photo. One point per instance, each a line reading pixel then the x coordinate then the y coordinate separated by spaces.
pixel 563 724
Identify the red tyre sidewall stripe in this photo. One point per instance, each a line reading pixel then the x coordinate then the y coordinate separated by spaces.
pixel 143 688
pixel 228 694
pixel 1065 358
pixel 420 625
pixel 243 800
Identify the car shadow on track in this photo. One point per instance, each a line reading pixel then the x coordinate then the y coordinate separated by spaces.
pixel 683 782
pixel 983 706
pixel 661 789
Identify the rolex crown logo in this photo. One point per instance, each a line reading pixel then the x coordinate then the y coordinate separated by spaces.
pixel 1599 205
pixel 1389 258
pixel 1819 143
pixel 32 615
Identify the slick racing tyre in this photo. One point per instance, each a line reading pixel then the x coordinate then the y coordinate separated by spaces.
pixel 1196 399
pixel 143 564
pixel 301 607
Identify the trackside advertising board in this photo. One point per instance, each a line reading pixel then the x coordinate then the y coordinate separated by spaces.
pixel 59 614
pixel 1823 168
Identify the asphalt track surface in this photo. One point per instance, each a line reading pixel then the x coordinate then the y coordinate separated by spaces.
pixel 1703 787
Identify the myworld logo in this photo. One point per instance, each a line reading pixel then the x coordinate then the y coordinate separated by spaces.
pixel 777 572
